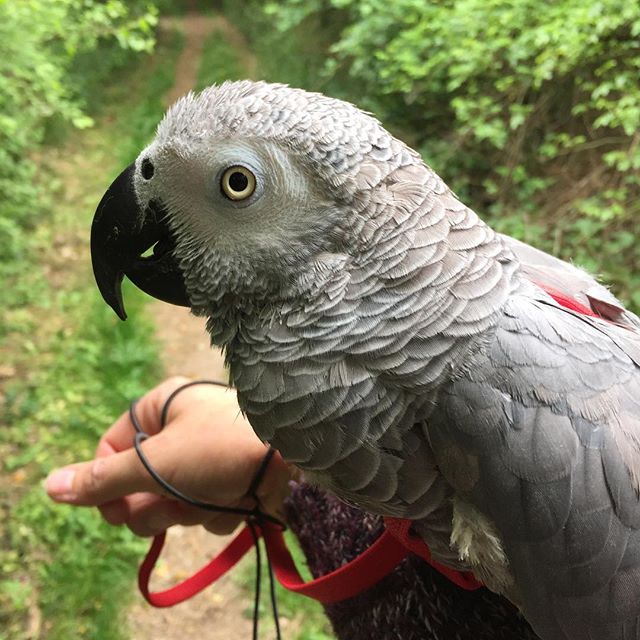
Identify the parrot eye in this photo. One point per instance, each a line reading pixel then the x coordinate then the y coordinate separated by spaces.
pixel 238 183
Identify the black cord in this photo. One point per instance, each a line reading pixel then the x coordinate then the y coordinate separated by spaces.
pixel 272 593
pixel 164 414
pixel 256 599
pixel 255 517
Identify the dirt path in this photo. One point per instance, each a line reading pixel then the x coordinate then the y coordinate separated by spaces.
pixel 219 612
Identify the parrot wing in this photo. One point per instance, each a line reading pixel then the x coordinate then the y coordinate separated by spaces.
pixel 548 424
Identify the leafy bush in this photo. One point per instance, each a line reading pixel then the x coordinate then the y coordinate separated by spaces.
pixel 531 113
pixel 41 41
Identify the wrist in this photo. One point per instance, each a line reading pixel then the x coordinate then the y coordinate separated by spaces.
pixel 274 486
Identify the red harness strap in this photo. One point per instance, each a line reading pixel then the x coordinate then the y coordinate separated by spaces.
pixel 395 544
pixel 400 529
pixel 345 582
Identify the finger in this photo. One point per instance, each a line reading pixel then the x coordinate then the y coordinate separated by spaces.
pixel 114 511
pixel 148 410
pixel 120 437
pixel 105 449
pixel 275 486
pixel 224 524
pixel 117 512
pixel 101 480
pixel 155 516
pixel 136 507
pixel 147 514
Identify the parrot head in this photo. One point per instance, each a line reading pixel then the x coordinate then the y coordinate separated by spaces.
pixel 246 194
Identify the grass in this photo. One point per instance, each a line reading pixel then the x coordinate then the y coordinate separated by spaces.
pixel 70 368
pixel 78 569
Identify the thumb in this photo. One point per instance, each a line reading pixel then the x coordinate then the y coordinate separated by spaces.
pixel 100 480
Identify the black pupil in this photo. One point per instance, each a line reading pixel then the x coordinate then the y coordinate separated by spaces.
pixel 147 169
pixel 238 181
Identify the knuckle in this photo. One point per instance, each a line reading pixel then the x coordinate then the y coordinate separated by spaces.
pixel 159 396
pixel 140 529
pixel 113 513
pixel 177 381
pixel 113 519
pixel 223 527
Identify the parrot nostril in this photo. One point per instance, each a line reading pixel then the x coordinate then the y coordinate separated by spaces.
pixel 147 169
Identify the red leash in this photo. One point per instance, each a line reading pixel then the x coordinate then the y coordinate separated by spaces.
pixel 227 559
pixel 345 582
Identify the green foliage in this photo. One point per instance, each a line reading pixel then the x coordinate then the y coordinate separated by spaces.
pixel 66 561
pixel 147 105
pixel 41 41
pixel 533 116
pixel 219 61
pixel 73 368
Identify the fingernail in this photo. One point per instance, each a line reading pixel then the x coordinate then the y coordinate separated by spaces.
pixel 59 484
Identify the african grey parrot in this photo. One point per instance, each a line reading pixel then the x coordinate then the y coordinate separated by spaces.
pixel 394 347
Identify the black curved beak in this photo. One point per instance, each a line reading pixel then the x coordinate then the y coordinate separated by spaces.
pixel 120 234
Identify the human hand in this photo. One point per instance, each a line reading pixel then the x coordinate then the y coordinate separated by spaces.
pixel 207 450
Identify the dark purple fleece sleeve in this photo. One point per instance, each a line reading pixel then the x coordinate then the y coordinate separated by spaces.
pixel 414 602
